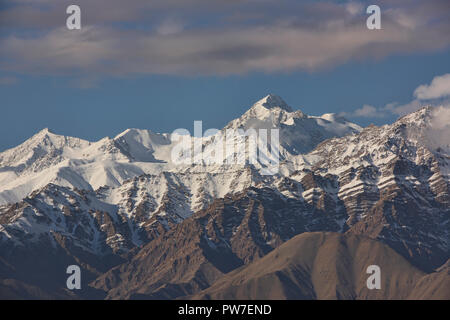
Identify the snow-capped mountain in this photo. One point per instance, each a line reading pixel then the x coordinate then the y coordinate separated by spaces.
pixel 391 183
pixel 299 132
pixel 50 158
pixel 121 204
pixel 132 173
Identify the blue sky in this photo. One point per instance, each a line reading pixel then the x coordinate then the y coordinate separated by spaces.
pixel 163 67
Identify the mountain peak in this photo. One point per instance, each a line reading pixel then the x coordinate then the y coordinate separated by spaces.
pixel 40 136
pixel 44 131
pixel 419 115
pixel 272 101
pixel 132 132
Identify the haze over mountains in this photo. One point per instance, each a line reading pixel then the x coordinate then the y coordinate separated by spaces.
pixel 141 226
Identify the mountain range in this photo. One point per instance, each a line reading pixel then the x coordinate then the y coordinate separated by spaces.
pixel 143 227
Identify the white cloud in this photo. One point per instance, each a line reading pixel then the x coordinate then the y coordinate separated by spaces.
pixel 439 131
pixel 439 88
pixel 367 111
pixel 402 109
pixel 441 119
pixel 435 94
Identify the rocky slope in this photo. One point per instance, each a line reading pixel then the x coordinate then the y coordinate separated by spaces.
pixel 231 232
pixel 323 266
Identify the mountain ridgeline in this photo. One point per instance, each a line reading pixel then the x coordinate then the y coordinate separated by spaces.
pixel 142 227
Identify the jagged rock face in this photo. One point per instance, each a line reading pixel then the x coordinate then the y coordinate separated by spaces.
pixel 73 214
pixel 392 187
pixel 193 224
pixel 231 232
pixel 116 219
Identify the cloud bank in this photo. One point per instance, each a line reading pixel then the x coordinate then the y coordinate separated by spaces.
pixel 439 133
pixel 200 37
pixel 437 93
pixel 439 87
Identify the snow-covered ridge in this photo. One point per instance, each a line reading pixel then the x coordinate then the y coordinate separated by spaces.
pixel 72 162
